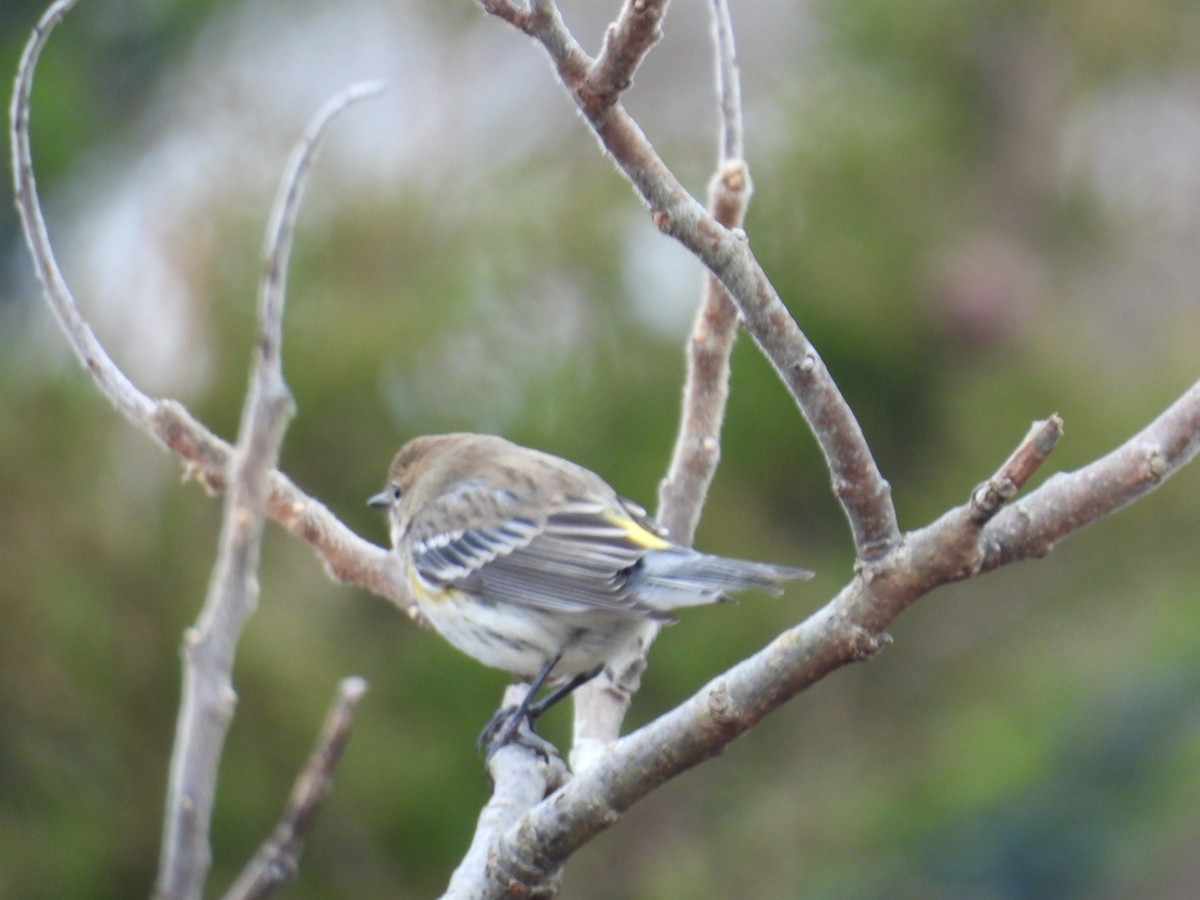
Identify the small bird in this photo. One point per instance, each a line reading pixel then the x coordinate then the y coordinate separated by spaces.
pixel 533 565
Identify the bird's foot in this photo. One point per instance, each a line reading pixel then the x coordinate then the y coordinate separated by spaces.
pixel 513 725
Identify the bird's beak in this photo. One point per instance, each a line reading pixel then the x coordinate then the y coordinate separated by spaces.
pixel 382 500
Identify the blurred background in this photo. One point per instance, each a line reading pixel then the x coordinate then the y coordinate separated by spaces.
pixel 981 212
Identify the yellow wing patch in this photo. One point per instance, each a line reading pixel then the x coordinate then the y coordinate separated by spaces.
pixel 638 533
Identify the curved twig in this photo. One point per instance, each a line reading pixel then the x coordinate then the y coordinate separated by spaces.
pixel 346 556
pixel 861 490
pixel 119 390
pixel 210 646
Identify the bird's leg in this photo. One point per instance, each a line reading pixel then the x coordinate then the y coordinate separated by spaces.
pixel 536 709
pixel 503 725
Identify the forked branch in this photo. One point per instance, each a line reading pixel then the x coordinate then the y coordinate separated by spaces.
pixel 860 488
pixel 206 710
pixel 206 457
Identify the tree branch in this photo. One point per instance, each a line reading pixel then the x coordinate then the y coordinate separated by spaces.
pixel 121 393
pixel 864 495
pixel 706 387
pixel 210 646
pixel 600 706
pixel 849 628
pixel 990 497
pixel 626 42
pixel 278 859
pixel 985 532
pixel 1070 500
pixel 206 457
pixel 520 779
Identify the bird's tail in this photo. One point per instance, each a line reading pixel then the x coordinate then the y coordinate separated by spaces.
pixel 673 578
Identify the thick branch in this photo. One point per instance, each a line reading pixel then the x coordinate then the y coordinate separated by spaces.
pixel 520 779
pixel 847 629
pixel 1070 500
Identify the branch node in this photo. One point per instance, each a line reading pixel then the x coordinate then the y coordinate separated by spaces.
pixel 514 15
pixel 989 497
pixel 805 366
pixel 734 175
pixel 720 704
pixel 1157 465
pixel 865 645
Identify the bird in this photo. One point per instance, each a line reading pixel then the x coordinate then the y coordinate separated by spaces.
pixel 534 565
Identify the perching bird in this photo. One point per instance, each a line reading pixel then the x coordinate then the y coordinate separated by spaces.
pixel 534 565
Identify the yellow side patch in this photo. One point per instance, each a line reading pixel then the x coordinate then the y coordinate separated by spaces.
pixel 422 590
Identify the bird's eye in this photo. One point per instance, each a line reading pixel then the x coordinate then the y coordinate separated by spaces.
pixel 397 492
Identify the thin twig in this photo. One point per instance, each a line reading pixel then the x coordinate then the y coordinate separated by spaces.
pixel 1068 501
pixel 281 228
pixel 278 859
pixel 121 393
pixel 990 497
pixel 600 706
pixel 864 495
pixel 210 646
pixel 347 557
pixel 637 29
pixel 729 84
pixel 706 387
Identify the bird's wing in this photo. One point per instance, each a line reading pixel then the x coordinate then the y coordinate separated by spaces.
pixel 576 557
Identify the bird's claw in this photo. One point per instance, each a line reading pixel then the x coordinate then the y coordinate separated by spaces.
pixel 511 726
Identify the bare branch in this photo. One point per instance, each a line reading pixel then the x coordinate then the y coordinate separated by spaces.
pixel 626 42
pixel 278 859
pixel 510 12
pixel 210 646
pixel 600 706
pixel 860 488
pixel 706 388
pixel 989 497
pixel 729 87
pixel 1069 501
pixel 520 779
pixel 121 393
pixel 847 629
pixel 347 557
pixel 281 228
